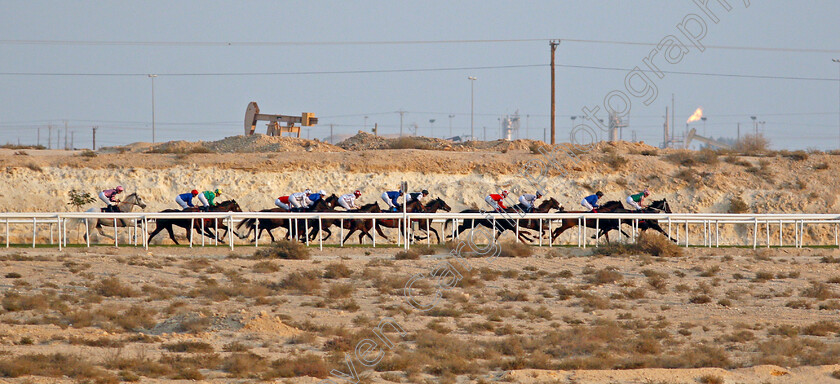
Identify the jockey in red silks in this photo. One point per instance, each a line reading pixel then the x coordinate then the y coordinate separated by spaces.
pixel 497 200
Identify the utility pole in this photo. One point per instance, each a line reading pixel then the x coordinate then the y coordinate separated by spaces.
pixel 450 124
pixel 485 133
pixel 376 129
pixel 401 112
pixel 673 113
pixel 153 106
pixel 39 136
pixel 72 138
pixel 65 135
pixel 553 44
pixel 472 80
pixel 739 133
pixel 49 136
pixel 332 138
pixel 94 137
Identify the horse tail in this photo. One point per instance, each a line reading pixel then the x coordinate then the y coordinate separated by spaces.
pixel 249 223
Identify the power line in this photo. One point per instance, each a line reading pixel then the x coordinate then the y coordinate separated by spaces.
pixel 368 71
pixel 361 71
pixel 385 42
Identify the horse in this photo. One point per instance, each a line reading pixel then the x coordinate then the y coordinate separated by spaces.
pixel 161 224
pixel 432 207
pixel 270 224
pixel 604 225
pixel 411 206
pixel 645 224
pixel 534 224
pixel 351 224
pixel 126 205
pixel 502 224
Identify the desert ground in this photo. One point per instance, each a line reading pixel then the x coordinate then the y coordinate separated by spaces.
pixel 646 313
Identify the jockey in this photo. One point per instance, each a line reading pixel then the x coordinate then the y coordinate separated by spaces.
pixel 206 198
pixel 348 201
pixel 591 202
pixel 313 197
pixel 109 197
pixel 392 199
pixel 417 195
pixel 497 200
pixel 637 200
pixel 528 200
pixel 296 200
pixel 282 202
pixel 185 199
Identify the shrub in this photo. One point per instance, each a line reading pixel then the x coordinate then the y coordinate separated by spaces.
pixel 336 271
pixel 189 347
pixel 113 287
pixel 707 156
pixel 302 282
pixel 407 255
pixel 13 275
pixel 821 328
pixel 710 379
pixel 681 157
pixel 737 205
pixel 753 144
pixel 35 167
pixel 516 250
pixel 655 244
pixel 605 276
pixel 797 155
pixel 615 161
pixel 284 249
pixel 79 199
pixel 700 299
pixel 87 153
pixel 688 175
pixel 408 142
pixel 340 291
pixel 821 166
pixel 650 152
pixel 818 290
pixel 307 364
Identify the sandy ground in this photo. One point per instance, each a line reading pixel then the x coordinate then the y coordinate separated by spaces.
pixel 745 317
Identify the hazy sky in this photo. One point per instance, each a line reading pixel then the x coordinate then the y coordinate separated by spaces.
pixel 202 89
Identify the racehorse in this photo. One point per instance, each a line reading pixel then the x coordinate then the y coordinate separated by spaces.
pixel 126 205
pixel 604 225
pixel 351 224
pixel 411 206
pixel 271 224
pixel 432 207
pixel 161 224
pixel 508 223
pixel 645 224
pixel 534 224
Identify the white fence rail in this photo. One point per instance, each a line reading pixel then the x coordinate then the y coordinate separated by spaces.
pixel 672 224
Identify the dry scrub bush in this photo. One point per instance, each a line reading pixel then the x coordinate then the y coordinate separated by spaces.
pixel 615 161
pixel 307 364
pixel 407 255
pixel 516 250
pixel 707 156
pixel 408 142
pixel 753 144
pixel 189 347
pixel 339 290
pixel 113 287
pixel 737 205
pixel 605 276
pixel 53 365
pixel 306 282
pixel 336 271
pixel 655 244
pixel 284 249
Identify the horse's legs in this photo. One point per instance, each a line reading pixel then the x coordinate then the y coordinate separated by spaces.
pixel 379 231
pixel 350 232
pixel 172 233
pixel 559 231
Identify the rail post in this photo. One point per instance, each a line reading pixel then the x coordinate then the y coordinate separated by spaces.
pixel 320 235
pixel 257 233
pixel 755 232
pixel 116 240
pixel 58 231
pixel 192 227
pixel 598 230
pixel 34 230
pixel 87 232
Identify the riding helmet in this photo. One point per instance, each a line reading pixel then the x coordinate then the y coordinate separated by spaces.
pixel 194 192
pixel 425 192
pixel 120 188
pixel 357 193
pixel 218 191
pixel 322 192
pixel 599 194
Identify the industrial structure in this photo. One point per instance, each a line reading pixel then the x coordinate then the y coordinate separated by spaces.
pixel 277 124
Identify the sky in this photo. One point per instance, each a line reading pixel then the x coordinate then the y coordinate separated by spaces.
pixel 86 63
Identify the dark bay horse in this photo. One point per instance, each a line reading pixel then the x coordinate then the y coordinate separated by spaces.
pixel 225 206
pixel 433 206
pixel 604 225
pixel 657 206
pixel 508 223
pixel 271 224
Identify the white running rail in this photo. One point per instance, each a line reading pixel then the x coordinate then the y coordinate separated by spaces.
pixel 673 224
